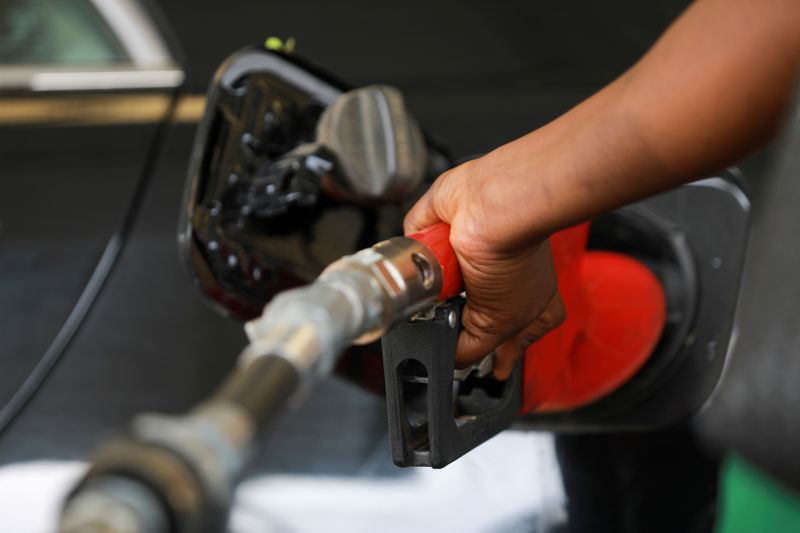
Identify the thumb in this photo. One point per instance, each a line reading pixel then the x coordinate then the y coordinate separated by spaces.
pixel 438 204
pixel 423 214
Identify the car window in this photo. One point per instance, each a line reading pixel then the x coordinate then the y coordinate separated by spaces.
pixel 64 32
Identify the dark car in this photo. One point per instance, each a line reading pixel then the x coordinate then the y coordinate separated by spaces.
pixel 89 91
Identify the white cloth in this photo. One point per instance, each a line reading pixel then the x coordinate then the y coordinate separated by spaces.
pixel 511 483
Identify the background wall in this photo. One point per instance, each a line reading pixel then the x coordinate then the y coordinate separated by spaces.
pixel 475 72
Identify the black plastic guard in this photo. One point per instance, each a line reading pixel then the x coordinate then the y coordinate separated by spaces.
pixel 433 418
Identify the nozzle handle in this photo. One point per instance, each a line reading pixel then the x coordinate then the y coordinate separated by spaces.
pixel 437 239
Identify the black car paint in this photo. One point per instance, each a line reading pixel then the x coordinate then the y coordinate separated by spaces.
pixel 68 194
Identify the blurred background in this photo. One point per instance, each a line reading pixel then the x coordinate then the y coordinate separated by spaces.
pixel 475 73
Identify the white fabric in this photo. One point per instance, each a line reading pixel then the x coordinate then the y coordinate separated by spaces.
pixel 511 483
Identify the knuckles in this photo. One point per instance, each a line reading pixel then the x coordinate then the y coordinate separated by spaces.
pixel 555 313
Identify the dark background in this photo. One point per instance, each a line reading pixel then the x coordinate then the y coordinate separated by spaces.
pixel 477 73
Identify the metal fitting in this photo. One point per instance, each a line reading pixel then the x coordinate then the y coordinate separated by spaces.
pixel 409 277
pixel 355 300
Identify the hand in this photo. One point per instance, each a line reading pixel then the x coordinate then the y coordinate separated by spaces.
pixel 512 294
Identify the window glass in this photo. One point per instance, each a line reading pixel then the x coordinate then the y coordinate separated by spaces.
pixel 55 32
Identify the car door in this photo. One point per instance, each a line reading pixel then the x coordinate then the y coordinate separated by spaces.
pixel 85 88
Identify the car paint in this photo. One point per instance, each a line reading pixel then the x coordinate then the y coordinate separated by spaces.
pixel 78 145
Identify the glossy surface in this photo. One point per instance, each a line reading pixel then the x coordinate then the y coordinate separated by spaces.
pixel 58 213
pixel 262 106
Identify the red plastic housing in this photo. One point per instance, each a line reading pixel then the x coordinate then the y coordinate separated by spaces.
pixel 616 311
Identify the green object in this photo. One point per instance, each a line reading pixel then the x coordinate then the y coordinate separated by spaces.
pixel 277 44
pixel 752 502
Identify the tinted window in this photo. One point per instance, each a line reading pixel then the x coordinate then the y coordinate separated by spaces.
pixel 55 31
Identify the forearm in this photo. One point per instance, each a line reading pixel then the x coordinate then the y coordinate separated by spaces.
pixel 714 87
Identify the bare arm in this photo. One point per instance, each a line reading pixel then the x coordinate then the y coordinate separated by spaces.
pixel 714 87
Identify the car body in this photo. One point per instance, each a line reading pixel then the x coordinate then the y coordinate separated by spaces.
pixel 85 118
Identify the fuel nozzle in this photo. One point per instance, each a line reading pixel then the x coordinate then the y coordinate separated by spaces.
pixel 355 300
pixel 177 473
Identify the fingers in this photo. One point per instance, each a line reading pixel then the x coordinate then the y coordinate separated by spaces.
pixel 505 293
pixel 507 354
pixel 511 290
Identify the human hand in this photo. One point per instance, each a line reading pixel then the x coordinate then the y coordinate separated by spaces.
pixel 512 293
